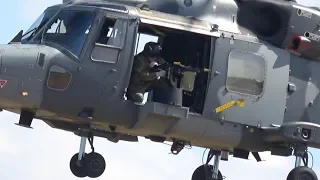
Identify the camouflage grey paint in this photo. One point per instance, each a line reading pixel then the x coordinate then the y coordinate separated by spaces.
pixel 24 67
pixel 178 122
pixel 99 89
pixel 113 94
pixel 303 100
pixel 73 104
pixel 105 94
pixel 220 12
pixel 258 111
pixel 299 24
pixel 101 86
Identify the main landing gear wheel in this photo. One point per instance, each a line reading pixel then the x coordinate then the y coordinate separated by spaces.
pixel 204 172
pixel 302 173
pixel 209 172
pixel 92 165
pixel 95 165
pixel 78 168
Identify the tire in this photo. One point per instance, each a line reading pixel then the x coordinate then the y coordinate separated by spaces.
pixel 302 173
pixel 78 171
pixel 204 172
pixel 95 165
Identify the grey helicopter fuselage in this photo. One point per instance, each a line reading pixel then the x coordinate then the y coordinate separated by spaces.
pixel 89 92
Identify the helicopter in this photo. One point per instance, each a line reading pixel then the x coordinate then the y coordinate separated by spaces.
pixel 243 74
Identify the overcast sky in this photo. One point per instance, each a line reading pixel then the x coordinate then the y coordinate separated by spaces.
pixel 44 153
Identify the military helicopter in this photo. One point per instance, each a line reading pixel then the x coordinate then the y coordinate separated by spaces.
pixel 244 78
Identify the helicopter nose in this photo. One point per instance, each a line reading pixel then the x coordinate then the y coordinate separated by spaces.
pixel 20 79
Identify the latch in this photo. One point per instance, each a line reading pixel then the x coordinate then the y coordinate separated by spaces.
pixel 292 87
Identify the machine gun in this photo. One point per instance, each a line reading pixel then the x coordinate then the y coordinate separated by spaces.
pixel 176 75
pixel 176 72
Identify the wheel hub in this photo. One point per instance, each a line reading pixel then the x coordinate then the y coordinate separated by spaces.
pixel 95 165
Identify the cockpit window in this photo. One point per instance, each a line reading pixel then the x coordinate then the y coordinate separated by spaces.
pixel 38 24
pixel 70 30
pixel 59 78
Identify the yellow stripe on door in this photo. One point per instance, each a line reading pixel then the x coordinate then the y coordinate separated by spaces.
pixel 239 103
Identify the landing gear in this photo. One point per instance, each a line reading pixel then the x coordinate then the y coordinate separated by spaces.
pixel 301 172
pixel 95 165
pixel 87 165
pixel 209 172
pixel 78 167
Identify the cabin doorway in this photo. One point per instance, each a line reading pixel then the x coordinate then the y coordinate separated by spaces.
pixel 188 48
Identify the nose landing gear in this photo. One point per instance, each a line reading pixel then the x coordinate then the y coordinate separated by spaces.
pixel 209 172
pixel 83 164
pixel 301 172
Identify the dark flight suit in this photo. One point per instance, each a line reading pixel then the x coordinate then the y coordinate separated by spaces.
pixel 142 80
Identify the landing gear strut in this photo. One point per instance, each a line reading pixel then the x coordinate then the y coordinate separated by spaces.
pixel 301 172
pixel 209 172
pixel 83 164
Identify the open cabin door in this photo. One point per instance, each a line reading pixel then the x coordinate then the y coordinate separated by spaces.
pixel 250 81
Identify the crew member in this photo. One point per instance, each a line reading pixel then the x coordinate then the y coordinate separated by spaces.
pixel 142 79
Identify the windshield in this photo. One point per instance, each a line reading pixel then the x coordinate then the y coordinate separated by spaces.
pixel 70 30
pixel 38 24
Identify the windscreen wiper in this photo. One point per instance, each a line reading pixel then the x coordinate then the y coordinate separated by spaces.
pixel 31 31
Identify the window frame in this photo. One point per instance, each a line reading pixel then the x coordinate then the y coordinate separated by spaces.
pixel 264 74
pixel 115 48
pixel 63 49
pixel 48 78
pixel 48 26
pixel 34 39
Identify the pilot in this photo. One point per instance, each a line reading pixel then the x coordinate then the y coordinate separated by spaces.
pixel 142 79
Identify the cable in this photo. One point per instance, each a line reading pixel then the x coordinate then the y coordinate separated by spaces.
pixel 210 155
pixel 203 155
pixel 305 159
pixel 312 159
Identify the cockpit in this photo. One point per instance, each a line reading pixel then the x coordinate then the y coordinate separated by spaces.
pixel 108 39
pixel 69 29
pixel 37 25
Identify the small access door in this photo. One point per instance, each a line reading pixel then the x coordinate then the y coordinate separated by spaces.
pixel 250 81
pixel 100 71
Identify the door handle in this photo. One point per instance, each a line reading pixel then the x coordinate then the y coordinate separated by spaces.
pixel 113 70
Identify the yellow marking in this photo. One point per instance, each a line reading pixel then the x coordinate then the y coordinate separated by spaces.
pixel 206 70
pixel 239 103
pixel 225 106
pixel 177 63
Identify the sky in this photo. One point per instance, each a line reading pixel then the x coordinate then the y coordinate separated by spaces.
pixel 44 153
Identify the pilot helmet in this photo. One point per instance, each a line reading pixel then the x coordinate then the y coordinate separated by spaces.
pixel 152 49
